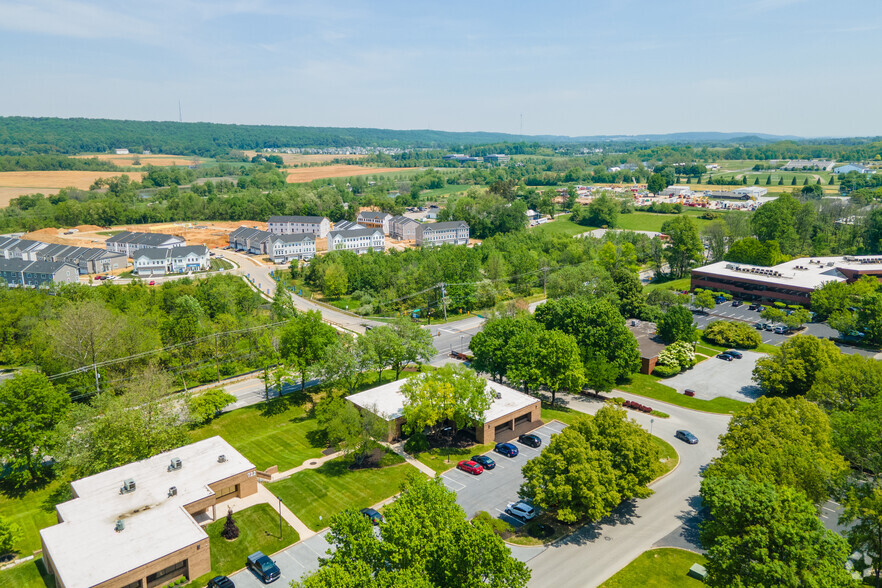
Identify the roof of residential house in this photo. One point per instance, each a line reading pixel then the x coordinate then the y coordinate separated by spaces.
pixel 296 219
pixel 251 233
pixel 46 267
pixel 371 214
pixel 152 253
pixel 143 238
pixel 346 225
pixel 404 220
pixel 87 550
pixel 13 265
pixel 188 249
pixel 294 238
pixel 445 225
pixel 354 233
pixel 387 401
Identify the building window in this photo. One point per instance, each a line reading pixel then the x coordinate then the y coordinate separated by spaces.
pixel 135 584
pixel 169 572
pixel 227 491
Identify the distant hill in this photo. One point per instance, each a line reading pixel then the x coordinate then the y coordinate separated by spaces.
pixel 79 135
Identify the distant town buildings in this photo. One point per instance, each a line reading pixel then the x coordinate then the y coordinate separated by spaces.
pixel 138 525
pixel 154 261
pixel 499 158
pixel 128 242
pixel 809 164
pixel 357 240
pixel 459 157
pixel 121 151
pixel 751 191
pixel 453 233
pixel 294 225
pixel 853 167
pixel 676 191
pixel 791 282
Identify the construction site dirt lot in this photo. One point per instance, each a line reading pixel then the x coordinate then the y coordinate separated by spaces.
pixel 308 174
pixel 156 159
pixel 209 233
pixel 17 183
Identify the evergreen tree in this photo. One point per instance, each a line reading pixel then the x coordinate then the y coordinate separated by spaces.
pixel 793 181
pixel 756 181
pixel 832 181
pixel 781 181
pixel 769 180
pixel 805 182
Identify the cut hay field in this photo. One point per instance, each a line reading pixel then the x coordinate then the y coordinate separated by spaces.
pixel 301 159
pixel 152 159
pixel 17 183
pixel 308 174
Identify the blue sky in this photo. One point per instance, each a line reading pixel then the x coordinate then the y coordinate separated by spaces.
pixel 802 67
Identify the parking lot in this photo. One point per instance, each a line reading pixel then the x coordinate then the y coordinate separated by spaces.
pixel 293 562
pixel 714 377
pixel 495 489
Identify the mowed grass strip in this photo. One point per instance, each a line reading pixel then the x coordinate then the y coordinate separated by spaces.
pixel 333 488
pixel 562 225
pixel 278 436
pixel 31 574
pixel 658 568
pixel 35 510
pixel 669 455
pixel 648 386
pixel 442 459
pixel 258 531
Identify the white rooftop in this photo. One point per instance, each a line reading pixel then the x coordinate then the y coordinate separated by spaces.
pixel 87 550
pixel 804 272
pixel 387 401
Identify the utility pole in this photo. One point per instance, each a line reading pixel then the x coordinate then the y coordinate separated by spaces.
pixel 216 361
pixel 444 300
pixel 545 281
pixel 97 386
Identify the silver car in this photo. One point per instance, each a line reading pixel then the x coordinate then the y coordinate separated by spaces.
pixel 521 510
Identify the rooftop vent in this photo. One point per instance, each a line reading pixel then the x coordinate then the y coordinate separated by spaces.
pixel 173 491
pixel 128 486
pixel 221 458
pixel 176 464
pixel 120 525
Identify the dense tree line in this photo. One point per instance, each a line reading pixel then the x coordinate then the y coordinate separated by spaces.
pixel 53 163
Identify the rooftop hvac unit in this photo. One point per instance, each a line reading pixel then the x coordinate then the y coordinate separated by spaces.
pixel 176 464
pixel 120 525
pixel 221 458
pixel 128 486
pixel 173 491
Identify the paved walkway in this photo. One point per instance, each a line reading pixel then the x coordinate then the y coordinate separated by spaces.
pixel 399 449
pixel 264 496
pixel 307 465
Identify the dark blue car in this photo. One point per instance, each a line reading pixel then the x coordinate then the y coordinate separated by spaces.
pixel 486 462
pixel 506 449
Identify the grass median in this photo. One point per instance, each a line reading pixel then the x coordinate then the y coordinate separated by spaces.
pixel 316 495
pixel 442 459
pixel 658 568
pixel 650 387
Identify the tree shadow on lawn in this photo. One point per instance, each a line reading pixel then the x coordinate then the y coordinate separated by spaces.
pixel 17 484
pixel 280 404
pixel 624 514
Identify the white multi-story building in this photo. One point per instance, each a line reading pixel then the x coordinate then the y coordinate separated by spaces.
pixel 403 228
pixel 128 242
pixel 178 260
pixel 358 240
pixel 284 248
pixel 296 225
pixel 453 232
pixel 375 220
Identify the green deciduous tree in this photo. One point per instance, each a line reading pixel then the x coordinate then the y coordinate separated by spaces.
pixel 204 407
pixel 452 393
pixel 416 345
pixel 843 383
pixel 785 441
pixel 656 183
pixel 304 341
pixel 679 354
pixel 759 535
pixel 677 325
pixel 685 247
pixel 790 369
pixel 424 542
pixel 559 362
pixel 751 251
pixel 354 431
pixel 10 535
pixel 30 409
pixel 602 212
pixel 705 300
pixel 490 345
pixel 336 281
pixel 732 334
pixel 863 514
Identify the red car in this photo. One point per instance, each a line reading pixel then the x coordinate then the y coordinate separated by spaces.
pixel 152 283
pixel 99 277
pixel 470 467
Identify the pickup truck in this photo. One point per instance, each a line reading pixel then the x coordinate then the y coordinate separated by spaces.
pixel 265 568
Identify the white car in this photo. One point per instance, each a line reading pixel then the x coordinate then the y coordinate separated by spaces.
pixel 521 510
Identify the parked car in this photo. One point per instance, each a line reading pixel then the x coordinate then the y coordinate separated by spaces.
pixel 780 330
pixel 221 582
pixel 486 462
pixel 262 566
pixel 724 357
pixel 736 303
pixel 506 449
pixel 752 307
pixel 719 299
pixel 686 436
pixel 152 283
pixel 372 515
pixel 759 308
pixel 521 510
pixel 99 277
pixel 768 327
pixel 689 392
pixel 733 353
pixel 760 326
pixel 530 440
pixel 470 467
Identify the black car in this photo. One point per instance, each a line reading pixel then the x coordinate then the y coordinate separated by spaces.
pixel 736 303
pixel 221 582
pixel 506 449
pixel 733 353
pixel 484 461
pixel 752 307
pixel 530 440
pixel 725 357
pixel 263 567
pixel 686 436
pixel 374 516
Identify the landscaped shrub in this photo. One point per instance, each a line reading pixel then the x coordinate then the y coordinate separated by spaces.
pixel 230 531
pixel 679 354
pixel 666 371
pixel 416 443
pixel 732 334
pixel 500 527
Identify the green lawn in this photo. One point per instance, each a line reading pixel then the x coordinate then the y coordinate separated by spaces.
pixel 658 568
pixel 216 264
pixel 333 488
pixel 680 285
pixel 561 413
pixel 650 387
pixel 561 225
pixel 668 455
pixel 442 459
pixel 278 436
pixel 30 574
pixel 35 510
pixel 434 194
pixel 258 531
pixel 652 221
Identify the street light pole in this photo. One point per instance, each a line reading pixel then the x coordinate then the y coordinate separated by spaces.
pixel 650 425
pixel 460 343
pixel 280 519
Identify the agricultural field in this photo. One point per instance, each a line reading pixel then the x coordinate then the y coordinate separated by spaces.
pixel 157 159
pixel 303 175
pixel 305 159
pixel 449 190
pixel 17 183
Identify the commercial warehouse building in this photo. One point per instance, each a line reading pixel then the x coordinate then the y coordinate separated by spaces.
pixel 134 526
pixel 511 413
pixel 791 282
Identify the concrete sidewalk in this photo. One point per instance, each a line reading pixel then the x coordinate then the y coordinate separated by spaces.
pixel 399 449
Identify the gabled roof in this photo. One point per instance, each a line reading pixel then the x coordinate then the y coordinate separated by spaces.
pixel 371 214
pixel 446 225
pixel 151 253
pixel 150 239
pixel 46 267
pixel 354 233
pixel 404 220
pixel 296 219
pixel 187 250
pixel 249 233
pixel 346 225
pixel 13 265
pixel 294 238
